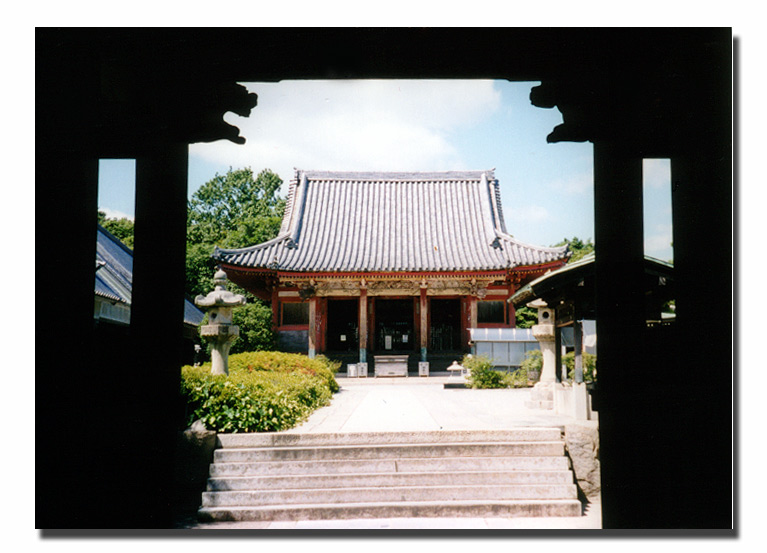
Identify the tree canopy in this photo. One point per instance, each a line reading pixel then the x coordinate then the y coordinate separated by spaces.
pixel 234 210
pixel 579 248
pixel 121 228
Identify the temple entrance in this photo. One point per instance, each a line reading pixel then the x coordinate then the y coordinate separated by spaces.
pixel 445 327
pixel 342 334
pixel 394 329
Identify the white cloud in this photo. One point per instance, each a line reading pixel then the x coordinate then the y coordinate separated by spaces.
pixel 657 243
pixel 356 125
pixel 529 215
pixel 114 214
pixel 575 185
pixel 656 173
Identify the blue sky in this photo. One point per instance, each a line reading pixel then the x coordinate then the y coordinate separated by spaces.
pixel 419 125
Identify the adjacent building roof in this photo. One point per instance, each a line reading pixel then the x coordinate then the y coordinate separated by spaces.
pixel 392 222
pixel 657 273
pixel 114 274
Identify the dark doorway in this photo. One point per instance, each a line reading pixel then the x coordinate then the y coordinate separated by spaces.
pixel 342 334
pixel 445 331
pixel 394 325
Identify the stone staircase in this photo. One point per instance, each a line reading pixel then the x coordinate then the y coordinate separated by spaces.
pixel 481 474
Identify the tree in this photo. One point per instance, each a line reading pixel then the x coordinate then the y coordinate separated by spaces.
pixel 122 228
pixel 526 317
pixel 255 322
pixel 578 247
pixel 234 210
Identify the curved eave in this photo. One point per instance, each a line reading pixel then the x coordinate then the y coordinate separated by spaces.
pixel 575 272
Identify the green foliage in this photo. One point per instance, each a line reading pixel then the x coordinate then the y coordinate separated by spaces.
pixel 255 322
pixel 589 366
pixel 277 361
pixel 234 210
pixel 237 208
pixel 533 361
pixel 526 317
pixel 579 248
pixel 517 379
pixel 200 268
pixel 122 228
pixel 483 375
pixel 264 392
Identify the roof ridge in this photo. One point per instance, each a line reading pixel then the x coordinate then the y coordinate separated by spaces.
pixel 397 175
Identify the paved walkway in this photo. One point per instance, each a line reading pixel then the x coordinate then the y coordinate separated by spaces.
pixel 423 403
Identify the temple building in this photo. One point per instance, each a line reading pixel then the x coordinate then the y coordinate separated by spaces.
pixel 380 263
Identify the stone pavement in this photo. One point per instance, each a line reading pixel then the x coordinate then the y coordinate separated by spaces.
pixel 422 403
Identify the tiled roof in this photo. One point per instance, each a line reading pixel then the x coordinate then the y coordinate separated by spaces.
pixel 574 272
pixel 114 274
pixel 392 222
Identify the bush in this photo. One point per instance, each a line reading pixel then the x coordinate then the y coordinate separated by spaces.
pixel 276 361
pixel 533 363
pixel 589 366
pixel 255 322
pixel 483 375
pixel 518 378
pixel 264 392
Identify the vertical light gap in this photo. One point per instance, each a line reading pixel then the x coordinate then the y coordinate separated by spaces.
pixel 114 249
pixel 658 221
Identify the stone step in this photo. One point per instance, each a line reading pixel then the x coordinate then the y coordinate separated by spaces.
pixel 412 509
pixel 349 480
pixel 388 494
pixel 282 439
pixel 389 451
pixel 433 464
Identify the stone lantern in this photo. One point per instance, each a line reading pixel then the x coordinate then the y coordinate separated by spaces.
pixel 542 394
pixel 220 331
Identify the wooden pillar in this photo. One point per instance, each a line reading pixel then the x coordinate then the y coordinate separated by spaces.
pixel 424 324
pixel 363 332
pixel 67 494
pixel 578 342
pixel 558 353
pixel 512 322
pixel 312 327
pixel 157 313
pixel 625 388
pixel 276 307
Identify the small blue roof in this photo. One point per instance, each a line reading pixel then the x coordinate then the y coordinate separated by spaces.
pixel 114 274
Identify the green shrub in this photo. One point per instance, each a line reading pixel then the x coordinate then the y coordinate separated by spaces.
pixel 533 363
pixel 255 322
pixel 264 392
pixel 483 375
pixel 517 379
pixel 589 366
pixel 277 361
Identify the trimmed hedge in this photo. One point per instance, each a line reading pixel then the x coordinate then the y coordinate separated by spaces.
pixel 264 392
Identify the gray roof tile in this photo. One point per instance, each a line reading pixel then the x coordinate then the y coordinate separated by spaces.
pixel 392 222
pixel 114 274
